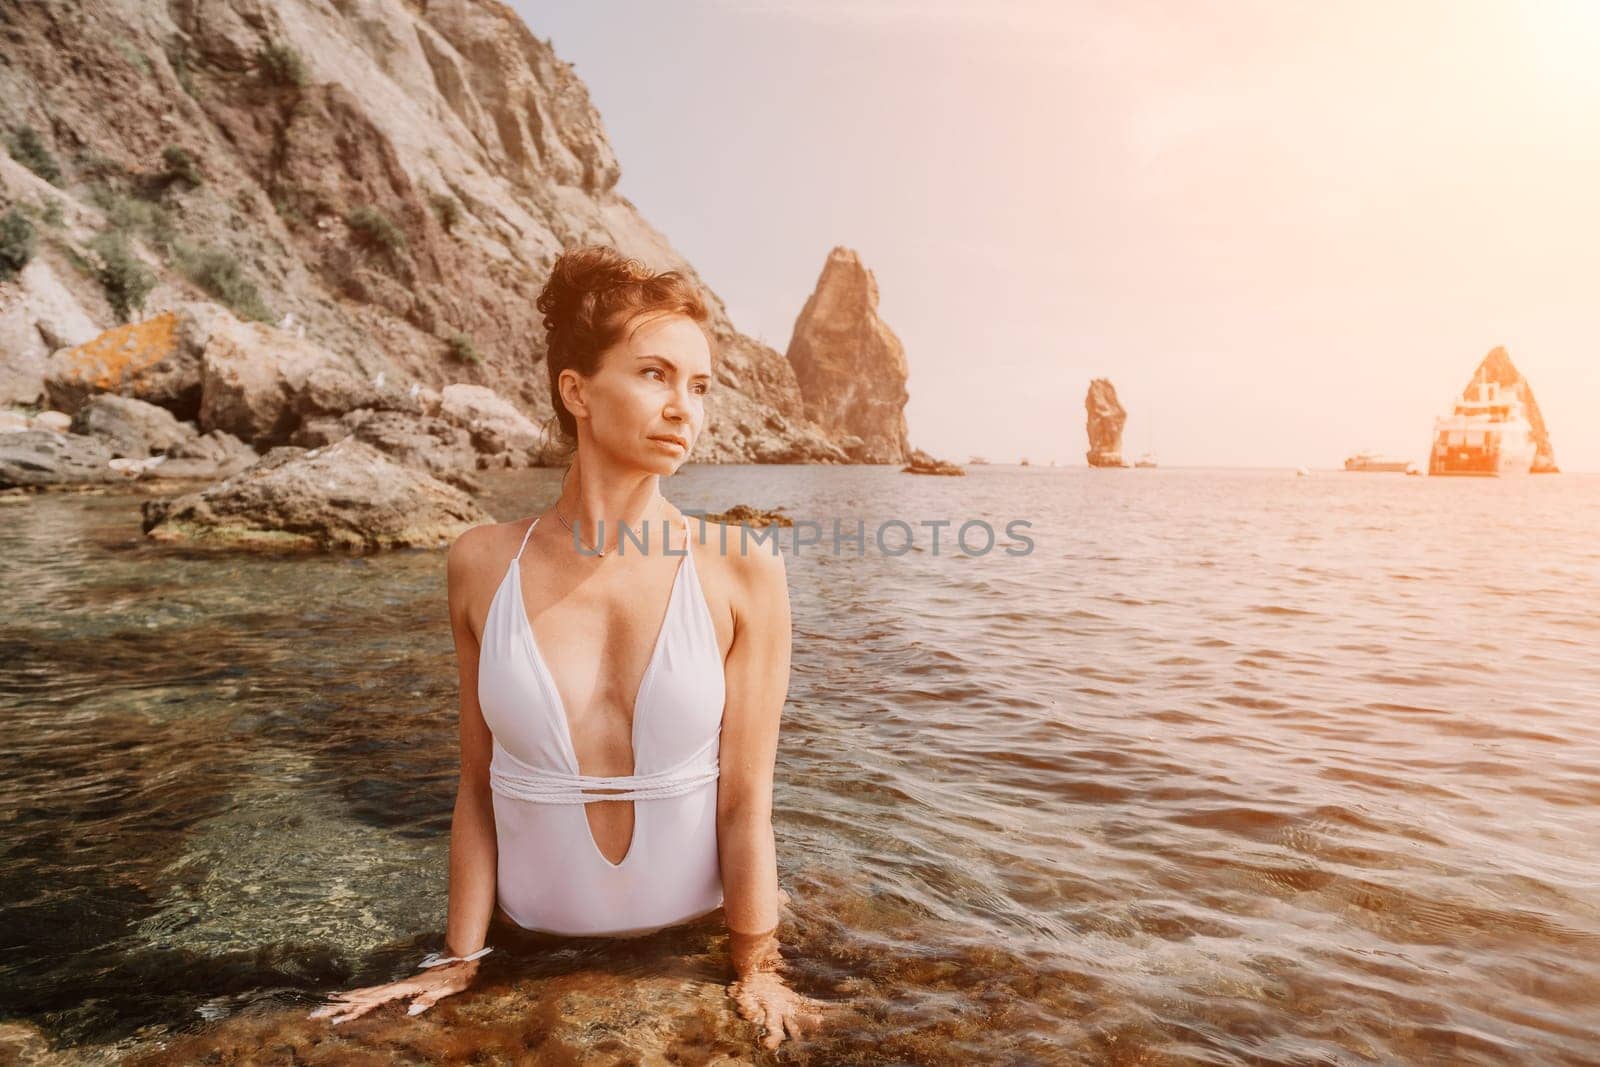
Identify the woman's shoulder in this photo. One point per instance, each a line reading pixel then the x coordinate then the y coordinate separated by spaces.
pixel 746 561
pixel 479 549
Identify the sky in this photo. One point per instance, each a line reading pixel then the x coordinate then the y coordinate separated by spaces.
pixel 1285 230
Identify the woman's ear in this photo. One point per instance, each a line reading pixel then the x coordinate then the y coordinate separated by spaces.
pixel 570 384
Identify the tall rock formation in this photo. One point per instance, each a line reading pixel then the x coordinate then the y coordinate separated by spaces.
pixel 1497 367
pixel 1106 419
pixel 392 177
pixel 851 367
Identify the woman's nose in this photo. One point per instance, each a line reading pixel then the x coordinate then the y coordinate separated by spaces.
pixel 677 406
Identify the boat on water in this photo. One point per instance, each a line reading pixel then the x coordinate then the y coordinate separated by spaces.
pixel 1024 462
pixel 1146 459
pixel 976 461
pixel 1369 460
pixel 1486 435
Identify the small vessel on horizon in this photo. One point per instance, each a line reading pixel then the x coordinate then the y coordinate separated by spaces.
pixel 1487 435
pixel 1024 462
pixel 1370 460
pixel 1146 459
pixel 976 461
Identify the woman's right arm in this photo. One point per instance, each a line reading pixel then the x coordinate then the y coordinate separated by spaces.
pixel 473 853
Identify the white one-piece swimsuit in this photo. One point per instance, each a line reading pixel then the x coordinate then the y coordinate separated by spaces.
pixel 552 875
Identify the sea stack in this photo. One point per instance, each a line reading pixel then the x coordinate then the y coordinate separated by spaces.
pixel 1497 367
pixel 850 366
pixel 1106 419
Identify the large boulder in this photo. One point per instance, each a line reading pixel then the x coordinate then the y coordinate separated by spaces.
pixel 38 315
pixel 334 390
pixel 207 456
pixel 1105 421
pixel 426 442
pixel 130 427
pixel 348 496
pixel 38 459
pixel 156 360
pixel 851 367
pixel 253 377
pixel 504 435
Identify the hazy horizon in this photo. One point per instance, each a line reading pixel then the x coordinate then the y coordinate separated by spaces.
pixel 1286 232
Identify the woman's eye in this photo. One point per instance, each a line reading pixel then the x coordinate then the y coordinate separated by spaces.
pixel 652 370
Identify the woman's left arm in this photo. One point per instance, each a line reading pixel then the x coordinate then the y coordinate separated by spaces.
pixel 757 673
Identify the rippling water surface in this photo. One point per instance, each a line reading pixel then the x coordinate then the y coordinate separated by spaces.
pixel 1235 767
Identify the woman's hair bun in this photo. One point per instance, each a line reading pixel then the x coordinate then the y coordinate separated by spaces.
pixel 590 269
pixel 592 293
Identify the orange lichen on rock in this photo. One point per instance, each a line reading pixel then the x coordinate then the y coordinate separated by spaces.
pixel 107 361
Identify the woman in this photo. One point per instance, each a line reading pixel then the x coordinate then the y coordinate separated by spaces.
pixel 616 756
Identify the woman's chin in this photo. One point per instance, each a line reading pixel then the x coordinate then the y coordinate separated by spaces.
pixel 664 459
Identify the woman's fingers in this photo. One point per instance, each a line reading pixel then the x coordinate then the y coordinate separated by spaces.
pixel 354 1003
pixel 778 1012
pixel 424 1001
pixel 356 1010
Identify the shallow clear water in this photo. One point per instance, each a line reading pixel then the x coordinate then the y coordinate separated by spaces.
pixel 1235 767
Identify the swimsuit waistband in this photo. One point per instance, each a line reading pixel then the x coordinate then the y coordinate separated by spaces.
pixel 510 777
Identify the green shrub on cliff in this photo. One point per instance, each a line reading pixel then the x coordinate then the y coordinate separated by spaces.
pixel 29 149
pixel 280 64
pixel 374 229
pixel 132 215
pixel 462 350
pixel 218 272
pixel 124 277
pixel 16 244
pixel 180 165
pixel 449 211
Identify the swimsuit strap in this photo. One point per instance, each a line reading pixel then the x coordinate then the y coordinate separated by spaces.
pixel 524 544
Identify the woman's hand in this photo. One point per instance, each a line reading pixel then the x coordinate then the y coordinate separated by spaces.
pixel 427 989
pixel 760 993
pixel 763 999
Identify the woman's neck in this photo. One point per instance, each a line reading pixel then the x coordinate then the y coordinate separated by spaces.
pixel 595 504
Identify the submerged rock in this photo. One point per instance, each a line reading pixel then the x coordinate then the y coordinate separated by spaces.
pixel 1105 422
pixel 348 496
pixel 851 367
pixel 746 515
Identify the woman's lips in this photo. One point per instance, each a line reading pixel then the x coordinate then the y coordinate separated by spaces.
pixel 671 441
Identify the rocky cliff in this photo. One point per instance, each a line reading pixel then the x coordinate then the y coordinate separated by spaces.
pixel 1497 367
pixel 1105 421
pixel 390 179
pixel 850 365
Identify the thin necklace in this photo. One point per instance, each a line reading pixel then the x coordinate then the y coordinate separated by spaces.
pixel 568 525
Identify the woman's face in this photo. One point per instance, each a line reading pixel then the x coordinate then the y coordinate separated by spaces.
pixel 651 386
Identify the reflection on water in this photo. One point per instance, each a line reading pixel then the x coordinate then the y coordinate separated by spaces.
pixel 1235 767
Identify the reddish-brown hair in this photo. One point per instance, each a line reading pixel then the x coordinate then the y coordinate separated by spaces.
pixel 593 294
